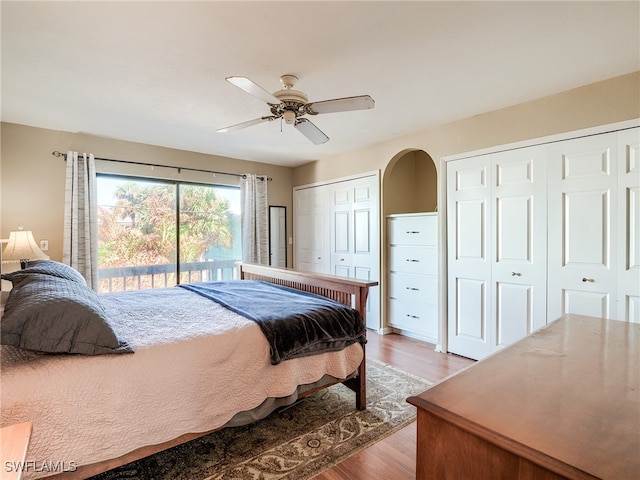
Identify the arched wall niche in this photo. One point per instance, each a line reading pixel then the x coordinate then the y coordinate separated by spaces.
pixel 410 183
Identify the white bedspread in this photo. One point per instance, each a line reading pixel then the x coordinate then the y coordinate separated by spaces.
pixel 188 374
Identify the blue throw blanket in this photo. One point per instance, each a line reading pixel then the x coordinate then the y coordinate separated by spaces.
pixel 295 323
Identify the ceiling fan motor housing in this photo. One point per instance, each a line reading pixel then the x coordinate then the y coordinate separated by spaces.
pixel 291 101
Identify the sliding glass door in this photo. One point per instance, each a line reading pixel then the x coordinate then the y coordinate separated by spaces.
pixel 155 233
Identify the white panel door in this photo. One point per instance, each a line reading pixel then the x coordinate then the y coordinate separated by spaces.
pixel 519 243
pixel 355 251
pixel 312 229
pixel 469 219
pixel 342 231
pixel 629 207
pixel 583 227
pixel 337 232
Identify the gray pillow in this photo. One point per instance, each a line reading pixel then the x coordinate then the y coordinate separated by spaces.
pixel 47 267
pixel 46 313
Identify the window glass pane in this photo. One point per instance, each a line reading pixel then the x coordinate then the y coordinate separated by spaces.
pixel 209 232
pixel 136 234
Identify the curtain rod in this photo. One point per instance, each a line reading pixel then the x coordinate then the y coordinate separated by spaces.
pixel 64 155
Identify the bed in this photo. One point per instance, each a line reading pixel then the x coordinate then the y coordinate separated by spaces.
pixel 187 376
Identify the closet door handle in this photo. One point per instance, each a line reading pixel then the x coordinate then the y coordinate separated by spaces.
pixel 585 279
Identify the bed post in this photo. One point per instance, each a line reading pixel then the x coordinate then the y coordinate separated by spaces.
pixel 359 384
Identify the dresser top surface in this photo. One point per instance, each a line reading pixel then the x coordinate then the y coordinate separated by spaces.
pixel 569 391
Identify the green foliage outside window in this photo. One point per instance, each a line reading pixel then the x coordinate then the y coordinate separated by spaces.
pixel 140 229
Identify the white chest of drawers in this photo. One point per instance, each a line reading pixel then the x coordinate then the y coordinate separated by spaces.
pixel 413 274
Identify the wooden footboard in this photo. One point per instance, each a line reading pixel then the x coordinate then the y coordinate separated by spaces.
pixel 347 291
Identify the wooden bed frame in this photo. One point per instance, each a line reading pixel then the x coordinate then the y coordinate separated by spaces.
pixel 343 290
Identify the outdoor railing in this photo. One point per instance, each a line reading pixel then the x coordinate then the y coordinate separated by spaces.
pixel 119 279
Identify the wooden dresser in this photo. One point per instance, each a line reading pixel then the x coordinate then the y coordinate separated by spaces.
pixel 563 402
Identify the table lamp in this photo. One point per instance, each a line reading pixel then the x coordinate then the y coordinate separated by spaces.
pixel 22 247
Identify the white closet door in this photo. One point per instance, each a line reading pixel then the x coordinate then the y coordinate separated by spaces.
pixel 583 227
pixel 342 236
pixel 355 251
pixel 337 232
pixel 312 229
pixel 469 219
pixel 629 244
pixel 519 245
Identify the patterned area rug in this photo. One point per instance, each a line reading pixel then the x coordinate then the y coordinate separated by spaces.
pixel 295 443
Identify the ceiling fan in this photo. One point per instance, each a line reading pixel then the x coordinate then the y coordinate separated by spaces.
pixel 292 105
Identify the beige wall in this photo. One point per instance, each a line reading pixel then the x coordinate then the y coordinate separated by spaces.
pixel 32 181
pixel 601 103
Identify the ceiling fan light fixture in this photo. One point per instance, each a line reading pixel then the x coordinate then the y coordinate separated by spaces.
pixel 289 117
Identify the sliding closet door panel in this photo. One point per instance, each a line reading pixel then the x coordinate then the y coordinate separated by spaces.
pixel 341 230
pixel 629 244
pixel 312 251
pixel 583 226
pixel 354 236
pixel 519 199
pixel 468 260
pixel 366 241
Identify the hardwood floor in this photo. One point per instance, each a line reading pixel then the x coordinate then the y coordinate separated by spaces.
pixel 395 456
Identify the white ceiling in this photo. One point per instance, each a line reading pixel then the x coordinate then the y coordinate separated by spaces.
pixel 154 72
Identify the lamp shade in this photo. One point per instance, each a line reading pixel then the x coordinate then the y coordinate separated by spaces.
pixel 22 246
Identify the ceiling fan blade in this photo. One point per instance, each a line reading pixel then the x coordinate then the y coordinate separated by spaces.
pixel 254 89
pixel 310 131
pixel 249 123
pixel 362 102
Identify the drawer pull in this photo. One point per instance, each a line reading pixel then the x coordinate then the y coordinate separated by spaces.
pixel 412 231
pixel 590 280
pixel 412 260
pixel 515 274
pixel 412 316
pixel 412 288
